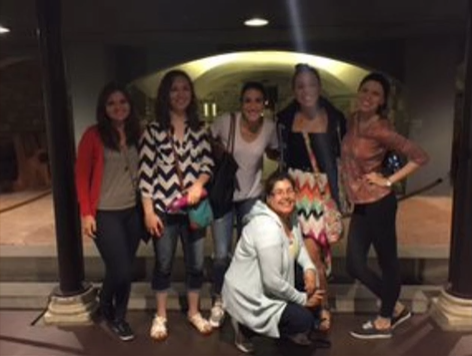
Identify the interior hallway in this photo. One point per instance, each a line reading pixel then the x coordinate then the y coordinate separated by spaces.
pixel 27 219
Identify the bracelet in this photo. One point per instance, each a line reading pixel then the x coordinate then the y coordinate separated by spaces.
pixel 388 182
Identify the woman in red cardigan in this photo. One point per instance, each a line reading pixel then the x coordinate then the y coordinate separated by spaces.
pixel 106 173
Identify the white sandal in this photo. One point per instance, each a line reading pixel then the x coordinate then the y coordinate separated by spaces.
pixel 202 325
pixel 159 328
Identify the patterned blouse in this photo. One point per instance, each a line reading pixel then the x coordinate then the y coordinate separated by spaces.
pixel 158 178
pixel 363 151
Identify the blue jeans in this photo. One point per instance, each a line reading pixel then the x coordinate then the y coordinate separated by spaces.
pixel 164 250
pixel 222 231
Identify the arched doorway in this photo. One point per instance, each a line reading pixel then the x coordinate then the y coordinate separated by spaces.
pixel 218 80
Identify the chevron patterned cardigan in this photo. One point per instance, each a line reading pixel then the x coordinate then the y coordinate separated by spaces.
pixel 158 177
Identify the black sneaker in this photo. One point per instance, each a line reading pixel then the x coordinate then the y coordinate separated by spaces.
pixel 401 318
pixel 369 331
pixel 319 339
pixel 300 339
pixel 122 329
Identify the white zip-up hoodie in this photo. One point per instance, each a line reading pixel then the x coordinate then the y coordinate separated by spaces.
pixel 261 278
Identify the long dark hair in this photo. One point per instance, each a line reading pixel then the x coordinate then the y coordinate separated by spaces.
pixel 108 134
pixel 163 107
pixel 382 110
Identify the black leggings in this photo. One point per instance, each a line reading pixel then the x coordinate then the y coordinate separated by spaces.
pixel 118 235
pixel 374 224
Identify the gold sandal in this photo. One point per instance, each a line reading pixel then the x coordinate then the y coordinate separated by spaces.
pixel 202 325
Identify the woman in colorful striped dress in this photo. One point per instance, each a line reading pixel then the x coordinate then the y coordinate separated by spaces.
pixel 311 117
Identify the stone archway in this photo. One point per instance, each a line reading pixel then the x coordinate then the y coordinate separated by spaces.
pixel 218 78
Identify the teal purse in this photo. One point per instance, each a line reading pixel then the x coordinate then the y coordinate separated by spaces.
pixel 200 215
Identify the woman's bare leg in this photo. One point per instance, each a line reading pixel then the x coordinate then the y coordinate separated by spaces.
pixel 315 254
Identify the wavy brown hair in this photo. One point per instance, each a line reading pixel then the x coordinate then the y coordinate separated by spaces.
pixel 163 108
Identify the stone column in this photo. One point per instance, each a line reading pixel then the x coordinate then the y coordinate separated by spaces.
pixel 453 308
pixel 72 301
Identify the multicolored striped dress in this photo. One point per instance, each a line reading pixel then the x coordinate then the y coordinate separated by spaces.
pixel 313 188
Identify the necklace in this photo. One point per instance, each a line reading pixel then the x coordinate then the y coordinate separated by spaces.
pixel 290 238
pixel 252 128
pixel 124 152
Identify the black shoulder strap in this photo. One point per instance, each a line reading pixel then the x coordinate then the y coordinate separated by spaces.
pixel 231 133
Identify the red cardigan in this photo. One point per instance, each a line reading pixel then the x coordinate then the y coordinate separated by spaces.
pixel 89 171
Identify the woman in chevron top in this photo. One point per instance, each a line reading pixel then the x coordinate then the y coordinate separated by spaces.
pixel 175 160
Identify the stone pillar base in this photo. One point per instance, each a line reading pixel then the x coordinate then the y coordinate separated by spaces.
pixel 72 310
pixel 452 313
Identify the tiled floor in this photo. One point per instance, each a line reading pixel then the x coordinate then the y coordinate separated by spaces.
pixel 418 337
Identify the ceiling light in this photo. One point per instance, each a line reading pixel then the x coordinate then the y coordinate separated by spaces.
pixel 256 22
pixel 4 29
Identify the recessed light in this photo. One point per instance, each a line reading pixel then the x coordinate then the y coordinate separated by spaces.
pixel 4 29
pixel 256 22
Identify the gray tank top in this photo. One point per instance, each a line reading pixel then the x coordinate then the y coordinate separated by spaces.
pixel 118 190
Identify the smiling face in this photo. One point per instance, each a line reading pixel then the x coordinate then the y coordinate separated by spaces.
pixel 180 94
pixel 306 87
pixel 117 107
pixel 252 105
pixel 370 97
pixel 282 198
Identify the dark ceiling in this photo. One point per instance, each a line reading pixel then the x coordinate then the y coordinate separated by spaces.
pixel 138 21
pixel 329 27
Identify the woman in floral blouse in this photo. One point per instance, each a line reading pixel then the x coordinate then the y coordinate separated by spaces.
pixel 369 137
